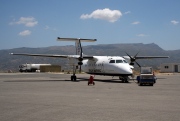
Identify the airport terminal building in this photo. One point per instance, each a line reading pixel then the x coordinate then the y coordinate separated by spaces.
pixel 170 68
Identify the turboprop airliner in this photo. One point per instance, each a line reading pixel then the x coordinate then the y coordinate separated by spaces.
pixel 121 66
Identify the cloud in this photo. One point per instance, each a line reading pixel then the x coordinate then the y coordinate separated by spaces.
pixel 50 28
pixel 103 14
pixel 27 21
pixel 174 22
pixel 46 27
pixel 135 23
pixel 25 33
pixel 127 12
pixel 141 35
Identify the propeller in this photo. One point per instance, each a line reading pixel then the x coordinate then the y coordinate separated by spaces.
pixel 133 59
pixel 80 63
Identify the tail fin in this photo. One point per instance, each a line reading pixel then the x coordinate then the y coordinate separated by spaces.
pixel 78 47
pixel 77 43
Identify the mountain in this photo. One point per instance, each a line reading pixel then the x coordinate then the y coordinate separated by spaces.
pixel 11 62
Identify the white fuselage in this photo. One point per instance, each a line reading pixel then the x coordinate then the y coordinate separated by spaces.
pixel 107 65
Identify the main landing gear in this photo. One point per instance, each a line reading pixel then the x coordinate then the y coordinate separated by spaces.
pixel 73 77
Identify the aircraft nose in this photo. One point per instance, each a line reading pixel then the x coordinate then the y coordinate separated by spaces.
pixel 127 70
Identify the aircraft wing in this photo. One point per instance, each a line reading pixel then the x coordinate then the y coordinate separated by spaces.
pixel 151 57
pixel 146 57
pixel 54 56
pixel 132 59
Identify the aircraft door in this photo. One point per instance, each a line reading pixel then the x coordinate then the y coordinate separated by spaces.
pixel 102 67
pixel 98 67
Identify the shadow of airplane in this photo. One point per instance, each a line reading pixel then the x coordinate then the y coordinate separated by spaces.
pixel 54 79
pixel 78 80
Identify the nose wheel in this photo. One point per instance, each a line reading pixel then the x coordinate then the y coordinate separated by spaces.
pixel 124 79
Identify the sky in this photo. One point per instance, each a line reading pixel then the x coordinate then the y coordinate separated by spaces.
pixel 37 23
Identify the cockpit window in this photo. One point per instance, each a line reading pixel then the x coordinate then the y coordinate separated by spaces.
pixel 112 61
pixel 119 61
pixel 124 61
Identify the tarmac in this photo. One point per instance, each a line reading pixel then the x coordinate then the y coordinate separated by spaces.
pixel 53 97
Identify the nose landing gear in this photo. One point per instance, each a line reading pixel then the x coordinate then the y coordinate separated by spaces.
pixel 124 79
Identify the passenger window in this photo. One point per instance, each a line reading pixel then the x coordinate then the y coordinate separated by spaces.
pixel 112 61
pixel 119 61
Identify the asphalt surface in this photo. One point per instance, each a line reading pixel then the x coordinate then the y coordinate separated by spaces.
pixel 53 97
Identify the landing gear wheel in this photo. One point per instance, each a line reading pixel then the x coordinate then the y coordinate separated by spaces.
pixel 73 78
pixel 124 80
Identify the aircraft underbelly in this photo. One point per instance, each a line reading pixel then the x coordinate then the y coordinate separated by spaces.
pixel 108 74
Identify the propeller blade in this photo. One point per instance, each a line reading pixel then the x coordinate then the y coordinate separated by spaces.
pixel 79 68
pixel 81 56
pixel 80 63
pixel 137 63
pixel 133 59
pixel 128 55
pixel 135 55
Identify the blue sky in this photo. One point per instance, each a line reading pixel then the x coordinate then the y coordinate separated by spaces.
pixel 37 23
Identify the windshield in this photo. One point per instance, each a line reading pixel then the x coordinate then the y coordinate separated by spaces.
pixel 112 61
pixel 124 61
pixel 119 61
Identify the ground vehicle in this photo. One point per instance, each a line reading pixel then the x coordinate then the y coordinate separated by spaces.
pixel 30 67
pixel 146 76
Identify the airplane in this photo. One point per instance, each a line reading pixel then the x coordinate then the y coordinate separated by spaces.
pixel 121 66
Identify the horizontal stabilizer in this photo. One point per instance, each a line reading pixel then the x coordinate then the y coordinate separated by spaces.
pixel 75 39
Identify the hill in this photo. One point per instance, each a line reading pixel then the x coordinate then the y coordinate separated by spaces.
pixel 10 62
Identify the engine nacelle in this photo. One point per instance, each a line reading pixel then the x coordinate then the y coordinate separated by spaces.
pixel 80 59
pixel 80 63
